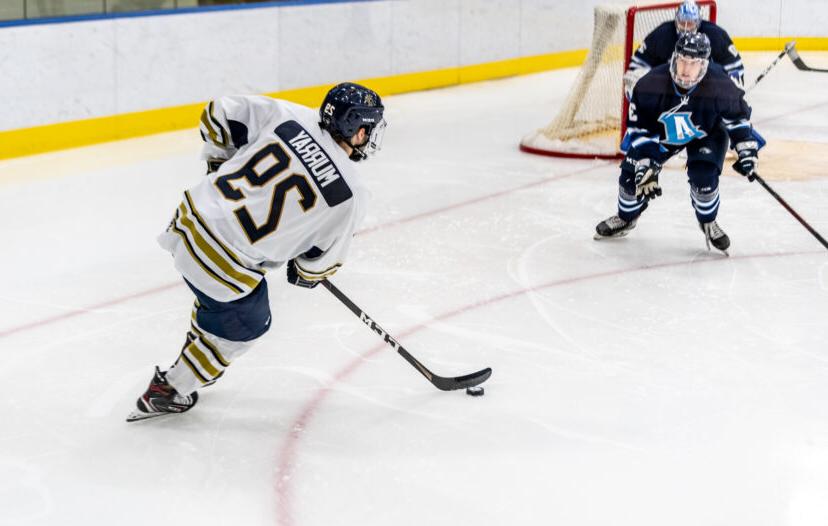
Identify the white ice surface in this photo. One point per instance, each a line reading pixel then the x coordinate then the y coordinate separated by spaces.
pixel 637 382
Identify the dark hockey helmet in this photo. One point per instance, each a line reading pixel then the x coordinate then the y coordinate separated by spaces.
pixel 347 108
pixel 692 49
pixel 688 17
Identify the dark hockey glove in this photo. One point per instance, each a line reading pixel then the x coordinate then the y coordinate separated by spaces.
pixel 748 159
pixel 646 179
pixel 294 278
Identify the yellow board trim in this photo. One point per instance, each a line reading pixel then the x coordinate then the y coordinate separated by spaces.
pixel 60 136
pixel 40 139
pixel 778 43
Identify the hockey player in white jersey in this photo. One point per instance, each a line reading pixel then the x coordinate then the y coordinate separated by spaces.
pixel 281 190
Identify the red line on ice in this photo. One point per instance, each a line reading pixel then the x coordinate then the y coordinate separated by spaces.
pixel 288 453
pixel 91 308
pixel 76 312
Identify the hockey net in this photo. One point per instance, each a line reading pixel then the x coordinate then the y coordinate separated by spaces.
pixel 591 122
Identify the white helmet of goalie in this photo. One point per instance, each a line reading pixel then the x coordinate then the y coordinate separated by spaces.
pixel 688 17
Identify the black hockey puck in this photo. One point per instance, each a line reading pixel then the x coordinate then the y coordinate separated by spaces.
pixel 475 391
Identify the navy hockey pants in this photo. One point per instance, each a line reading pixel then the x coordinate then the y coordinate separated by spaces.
pixel 705 158
pixel 220 333
pixel 242 320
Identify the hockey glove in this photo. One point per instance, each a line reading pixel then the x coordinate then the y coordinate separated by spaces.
pixel 646 179
pixel 294 278
pixel 748 159
pixel 631 78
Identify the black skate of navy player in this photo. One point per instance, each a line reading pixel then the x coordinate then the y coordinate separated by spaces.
pixel 658 46
pixel 689 104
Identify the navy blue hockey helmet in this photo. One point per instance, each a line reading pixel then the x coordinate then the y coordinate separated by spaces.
pixel 347 108
pixel 691 48
pixel 688 17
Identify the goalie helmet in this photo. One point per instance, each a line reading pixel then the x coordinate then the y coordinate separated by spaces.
pixel 688 17
pixel 347 108
pixel 688 64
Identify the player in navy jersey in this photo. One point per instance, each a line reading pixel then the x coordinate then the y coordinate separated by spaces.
pixel 658 46
pixel 689 104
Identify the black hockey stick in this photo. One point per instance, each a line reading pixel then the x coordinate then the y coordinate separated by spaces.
pixel 773 64
pixel 791 210
pixel 440 382
pixel 798 61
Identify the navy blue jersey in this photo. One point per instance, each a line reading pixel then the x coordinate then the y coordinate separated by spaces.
pixel 659 45
pixel 664 119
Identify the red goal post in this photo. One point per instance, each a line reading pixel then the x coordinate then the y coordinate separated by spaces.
pixel 592 120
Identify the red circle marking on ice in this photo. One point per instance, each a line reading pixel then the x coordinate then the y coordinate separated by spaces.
pixel 287 454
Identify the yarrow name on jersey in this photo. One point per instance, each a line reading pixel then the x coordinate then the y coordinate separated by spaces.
pixel 318 163
pixel 314 158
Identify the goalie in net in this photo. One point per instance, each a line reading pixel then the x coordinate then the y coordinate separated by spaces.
pixel 591 122
pixel 658 47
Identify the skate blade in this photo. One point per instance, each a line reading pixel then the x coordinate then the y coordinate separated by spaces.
pixel 725 252
pixel 711 247
pixel 135 416
pixel 599 237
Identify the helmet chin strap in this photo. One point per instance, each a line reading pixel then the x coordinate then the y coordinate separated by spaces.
pixel 357 154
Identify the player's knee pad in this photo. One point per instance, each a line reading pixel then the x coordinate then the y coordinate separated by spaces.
pixel 703 174
pixel 240 321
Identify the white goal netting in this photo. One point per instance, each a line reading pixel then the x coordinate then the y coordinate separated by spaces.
pixel 590 122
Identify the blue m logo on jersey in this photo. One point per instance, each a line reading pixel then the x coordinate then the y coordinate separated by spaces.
pixel 679 128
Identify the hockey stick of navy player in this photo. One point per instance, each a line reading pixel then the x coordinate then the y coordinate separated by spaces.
pixel 443 383
pixel 791 210
pixel 798 61
pixel 788 47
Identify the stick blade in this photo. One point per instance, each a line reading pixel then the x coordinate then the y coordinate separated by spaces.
pixel 462 382
pixel 790 48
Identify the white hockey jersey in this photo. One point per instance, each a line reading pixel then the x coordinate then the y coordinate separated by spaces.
pixel 287 190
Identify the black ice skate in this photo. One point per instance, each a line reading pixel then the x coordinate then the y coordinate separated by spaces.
pixel 161 399
pixel 613 227
pixel 714 235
